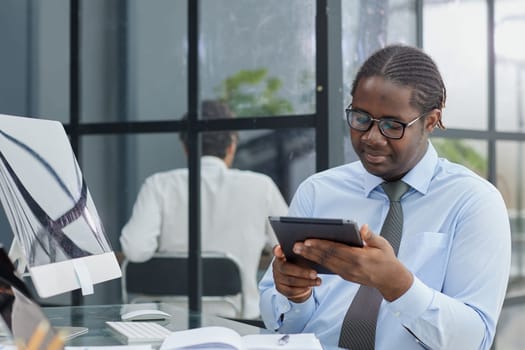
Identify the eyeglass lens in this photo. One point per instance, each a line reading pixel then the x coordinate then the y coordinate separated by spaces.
pixel 363 122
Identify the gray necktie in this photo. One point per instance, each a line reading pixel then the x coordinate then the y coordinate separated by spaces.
pixel 359 325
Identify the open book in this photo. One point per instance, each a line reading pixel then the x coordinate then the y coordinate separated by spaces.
pixel 225 338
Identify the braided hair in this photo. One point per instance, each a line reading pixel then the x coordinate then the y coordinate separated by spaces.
pixel 410 67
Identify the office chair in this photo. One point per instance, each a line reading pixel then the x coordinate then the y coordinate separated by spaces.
pixel 164 278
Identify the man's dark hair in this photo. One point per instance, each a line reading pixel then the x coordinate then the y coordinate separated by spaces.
pixel 214 143
pixel 408 67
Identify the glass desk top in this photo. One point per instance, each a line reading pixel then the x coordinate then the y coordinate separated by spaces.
pixel 95 316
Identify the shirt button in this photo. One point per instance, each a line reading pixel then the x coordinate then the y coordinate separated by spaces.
pixel 397 313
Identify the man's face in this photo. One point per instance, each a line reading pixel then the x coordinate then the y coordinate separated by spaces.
pixel 388 158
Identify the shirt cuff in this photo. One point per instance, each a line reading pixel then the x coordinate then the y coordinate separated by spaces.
pixel 282 304
pixel 413 303
pixel 294 313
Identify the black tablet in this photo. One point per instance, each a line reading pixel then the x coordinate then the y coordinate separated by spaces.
pixel 290 229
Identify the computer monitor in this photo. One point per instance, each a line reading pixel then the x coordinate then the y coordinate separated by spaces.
pixel 50 210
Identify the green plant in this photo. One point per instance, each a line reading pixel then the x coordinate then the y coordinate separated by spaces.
pixel 251 93
pixel 458 151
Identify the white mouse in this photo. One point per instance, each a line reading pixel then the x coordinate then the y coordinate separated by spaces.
pixel 145 315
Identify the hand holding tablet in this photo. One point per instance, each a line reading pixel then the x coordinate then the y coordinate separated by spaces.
pixel 297 229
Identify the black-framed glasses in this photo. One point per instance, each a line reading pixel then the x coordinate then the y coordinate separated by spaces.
pixel 389 127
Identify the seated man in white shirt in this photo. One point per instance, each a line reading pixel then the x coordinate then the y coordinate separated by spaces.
pixel 235 206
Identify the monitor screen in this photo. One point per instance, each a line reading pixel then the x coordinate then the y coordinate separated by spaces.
pixel 49 208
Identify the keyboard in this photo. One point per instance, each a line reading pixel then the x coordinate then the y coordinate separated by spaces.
pixel 139 332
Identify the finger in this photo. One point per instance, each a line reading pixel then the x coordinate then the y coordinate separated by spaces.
pixel 372 240
pixel 289 281
pixel 297 293
pixel 278 252
pixel 322 251
pixel 297 282
pixel 291 285
pixel 365 233
pixel 294 281
pixel 295 270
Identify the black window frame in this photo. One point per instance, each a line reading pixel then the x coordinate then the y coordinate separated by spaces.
pixel 328 75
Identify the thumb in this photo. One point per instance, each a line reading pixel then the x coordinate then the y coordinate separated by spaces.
pixel 278 252
pixel 369 238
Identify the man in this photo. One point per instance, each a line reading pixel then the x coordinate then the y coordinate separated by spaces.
pixel 441 283
pixel 235 207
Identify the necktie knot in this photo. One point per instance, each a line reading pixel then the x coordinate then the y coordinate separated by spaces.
pixel 395 190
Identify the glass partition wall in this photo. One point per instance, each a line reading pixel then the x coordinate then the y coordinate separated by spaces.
pixel 120 74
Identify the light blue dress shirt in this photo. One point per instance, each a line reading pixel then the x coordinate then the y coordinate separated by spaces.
pixel 456 242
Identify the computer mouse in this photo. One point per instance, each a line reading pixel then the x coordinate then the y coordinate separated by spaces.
pixel 145 315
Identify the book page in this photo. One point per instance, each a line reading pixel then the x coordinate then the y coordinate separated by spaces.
pixel 302 341
pixel 203 338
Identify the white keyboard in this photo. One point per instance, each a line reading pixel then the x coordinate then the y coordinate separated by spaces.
pixel 139 332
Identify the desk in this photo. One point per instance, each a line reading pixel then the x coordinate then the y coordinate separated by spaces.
pixel 95 316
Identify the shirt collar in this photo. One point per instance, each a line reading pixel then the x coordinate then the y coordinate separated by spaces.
pixel 418 178
pixel 212 161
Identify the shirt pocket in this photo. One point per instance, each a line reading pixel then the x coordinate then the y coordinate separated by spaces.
pixel 426 255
